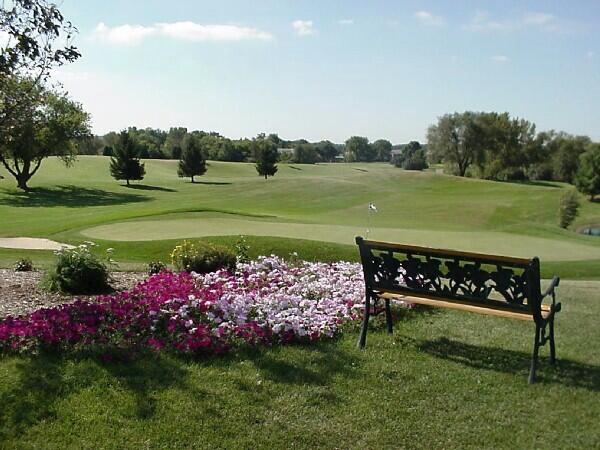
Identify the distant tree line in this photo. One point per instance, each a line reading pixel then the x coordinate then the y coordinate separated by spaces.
pixel 159 144
pixel 496 146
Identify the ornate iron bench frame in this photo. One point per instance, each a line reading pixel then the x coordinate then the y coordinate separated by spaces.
pixel 486 284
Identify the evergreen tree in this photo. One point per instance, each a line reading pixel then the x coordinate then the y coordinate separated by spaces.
pixel 266 157
pixel 587 179
pixel 125 163
pixel 569 206
pixel 192 162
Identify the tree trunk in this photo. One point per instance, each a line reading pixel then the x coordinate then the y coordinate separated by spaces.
pixel 127 181
pixel 265 176
pixel 22 182
pixel 192 178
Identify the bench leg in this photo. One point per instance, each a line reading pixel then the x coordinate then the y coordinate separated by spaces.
pixel 551 336
pixel 388 317
pixel 534 358
pixel 365 324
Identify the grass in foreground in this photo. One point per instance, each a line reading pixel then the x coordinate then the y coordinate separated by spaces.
pixel 445 379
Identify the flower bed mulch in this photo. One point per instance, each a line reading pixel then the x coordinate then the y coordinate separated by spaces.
pixel 20 292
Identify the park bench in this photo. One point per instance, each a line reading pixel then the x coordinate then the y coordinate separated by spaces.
pixel 486 284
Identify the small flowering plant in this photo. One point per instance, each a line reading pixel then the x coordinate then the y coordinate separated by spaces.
pixel 79 271
pixel 24 265
pixel 265 302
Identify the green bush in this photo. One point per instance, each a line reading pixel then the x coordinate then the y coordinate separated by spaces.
pixel 241 249
pixel 569 205
pixel 202 257
pixel 24 265
pixel 78 271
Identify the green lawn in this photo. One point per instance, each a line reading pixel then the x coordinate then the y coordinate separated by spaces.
pixel 445 379
pixel 324 203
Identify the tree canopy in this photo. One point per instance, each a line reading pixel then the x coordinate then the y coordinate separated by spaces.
pixel 587 179
pixel 49 124
pixel 266 157
pixel 358 150
pixel 125 163
pixel 192 162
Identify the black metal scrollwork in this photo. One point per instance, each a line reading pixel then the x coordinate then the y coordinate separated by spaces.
pixel 450 276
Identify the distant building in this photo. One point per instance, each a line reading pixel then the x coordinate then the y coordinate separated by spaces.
pixel 285 151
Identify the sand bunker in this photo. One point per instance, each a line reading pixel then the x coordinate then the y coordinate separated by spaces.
pixel 26 243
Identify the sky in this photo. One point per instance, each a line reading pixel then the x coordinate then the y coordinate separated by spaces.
pixel 329 69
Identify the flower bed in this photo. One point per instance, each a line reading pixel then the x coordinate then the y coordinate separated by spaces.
pixel 267 301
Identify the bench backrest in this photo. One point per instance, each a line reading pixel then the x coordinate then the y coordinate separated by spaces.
pixel 490 280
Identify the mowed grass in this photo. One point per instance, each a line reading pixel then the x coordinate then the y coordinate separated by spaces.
pixel 321 203
pixel 444 379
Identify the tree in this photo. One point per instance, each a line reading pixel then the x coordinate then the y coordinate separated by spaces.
pixel 587 179
pixel 566 158
pixel 305 154
pixel 107 151
pixel 458 140
pixel 35 39
pixel 50 124
pixel 38 38
pixel 507 143
pixel 568 208
pixel 412 157
pixel 382 149
pixel 327 151
pixel 358 149
pixel 125 164
pixel 192 161
pixel 266 157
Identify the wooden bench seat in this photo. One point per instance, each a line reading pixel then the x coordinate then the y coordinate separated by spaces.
pixel 495 285
pixel 442 303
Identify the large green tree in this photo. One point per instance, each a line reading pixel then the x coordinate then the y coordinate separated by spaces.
pixel 357 149
pixel 305 154
pixel 412 157
pixel 508 146
pixel 125 163
pixel 458 140
pixel 587 179
pixel 266 157
pixel 327 151
pixel 382 148
pixel 192 162
pixel 49 124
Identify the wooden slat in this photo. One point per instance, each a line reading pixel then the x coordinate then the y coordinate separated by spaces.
pixel 465 307
pixel 446 252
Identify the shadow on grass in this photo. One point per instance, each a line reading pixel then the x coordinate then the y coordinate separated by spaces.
pixel 44 381
pixel 145 187
pixel 565 372
pixel 69 196
pixel 294 167
pixel 534 183
pixel 360 170
pixel 213 183
pixel 317 365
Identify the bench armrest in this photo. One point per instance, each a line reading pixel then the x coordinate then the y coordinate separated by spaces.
pixel 553 284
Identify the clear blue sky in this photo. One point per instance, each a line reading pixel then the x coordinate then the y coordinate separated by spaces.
pixel 328 69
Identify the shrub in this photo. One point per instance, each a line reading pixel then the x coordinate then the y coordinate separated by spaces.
pixel 155 267
pixel 24 265
pixel 569 205
pixel 412 157
pixel 241 250
pixel 78 271
pixel 202 258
